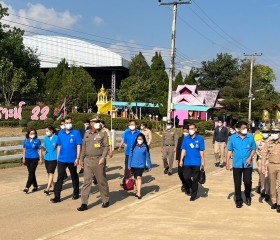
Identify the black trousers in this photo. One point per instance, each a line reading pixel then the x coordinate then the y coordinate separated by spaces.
pixel 191 174
pixel 247 179
pixel 61 167
pixel 31 164
pixel 181 175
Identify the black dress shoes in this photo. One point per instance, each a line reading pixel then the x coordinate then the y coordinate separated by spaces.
pixel 239 205
pixel 266 197
pixel 169 173
pixel 274 206
pixel 217 164
pixel 192 199
pixel 26 190
pixel 188 191
pixel 35 189
pixel 105 205
pixel 166 170
pixel 183 188
pixel 83 207
pixel 75 197
pixel 278 208
pixel 248 201
pixel 55 200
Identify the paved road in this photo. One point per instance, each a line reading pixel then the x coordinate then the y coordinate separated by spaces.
pixel 163 213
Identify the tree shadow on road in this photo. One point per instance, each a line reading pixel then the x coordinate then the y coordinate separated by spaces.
pixel 109 169
pixel 113 176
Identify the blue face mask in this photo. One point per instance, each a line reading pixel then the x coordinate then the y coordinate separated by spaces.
pixel 265 135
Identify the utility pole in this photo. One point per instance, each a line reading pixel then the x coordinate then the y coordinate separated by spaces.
pixel 172 61
pixel 253 55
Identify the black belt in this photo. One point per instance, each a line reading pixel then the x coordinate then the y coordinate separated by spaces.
pixel 169 145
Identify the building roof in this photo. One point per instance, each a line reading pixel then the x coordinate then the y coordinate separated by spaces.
pixel 193 97
pixel 52 49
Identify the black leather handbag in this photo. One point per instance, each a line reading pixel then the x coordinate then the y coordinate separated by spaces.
pixel 202 176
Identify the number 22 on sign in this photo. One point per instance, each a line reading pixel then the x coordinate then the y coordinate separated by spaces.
pixel 37 110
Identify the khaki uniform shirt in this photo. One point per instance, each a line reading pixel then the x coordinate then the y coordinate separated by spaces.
pixel 106 130
pixel 95 145
pixel 169 138
pixel 271 151
pixel 148 135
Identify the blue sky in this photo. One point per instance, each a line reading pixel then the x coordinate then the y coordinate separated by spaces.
pixel 127 26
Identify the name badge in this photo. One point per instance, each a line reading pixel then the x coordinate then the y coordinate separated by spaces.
pixel 71 140
pixel 97 145
pixel 191 145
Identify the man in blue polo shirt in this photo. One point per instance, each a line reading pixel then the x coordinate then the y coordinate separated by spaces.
pixel 129 139
pixel 242 147
pixel 192 157
pixel 68 150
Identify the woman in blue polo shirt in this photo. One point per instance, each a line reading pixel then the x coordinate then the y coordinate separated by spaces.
pixel 50 158
pixel 138 157
pixel 31 153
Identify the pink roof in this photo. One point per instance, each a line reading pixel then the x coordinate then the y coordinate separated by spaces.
pixel 201 98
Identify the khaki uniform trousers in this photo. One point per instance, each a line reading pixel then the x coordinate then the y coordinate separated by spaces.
pixel 263 179
pixel 219 150
pixel 92 168
pixel 168 157
pixel 274 178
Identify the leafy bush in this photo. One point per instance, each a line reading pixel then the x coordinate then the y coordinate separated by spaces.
pixel 32 125
pixel 78 125
pixel 48 121
pixel 205 125
pixel 23 122
pixel 9 123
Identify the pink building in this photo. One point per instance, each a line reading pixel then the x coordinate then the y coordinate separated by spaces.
pixel 190 103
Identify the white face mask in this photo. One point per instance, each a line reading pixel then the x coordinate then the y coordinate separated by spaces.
pixel 62 126
pixel 232 132
pixel 140 142
pixel 48 133
pixel 96 126
pixel 186 134
pixel 219 124
pixel 168 127
pixel 131 127
pixel 237 130
pixel 244 131
pixel 274 136
pixel 31 136
pixel 265 135
pixel 142 127
pixel 68 126
pixel 191 132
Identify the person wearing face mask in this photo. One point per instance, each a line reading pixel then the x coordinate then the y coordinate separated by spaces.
pixel 50 158
pixel 62 127
pixel 193 160
pixel 106 130
pixel 147 132
pixel 93 160
pixel 82 132
pixel 220 139
pixel 168 147
pixel 139 156
pixel 271 153
pixel 129 139
pixel 31 154
pixel 178 157
pixel 242 147
pixel 68 151
pixel 263 185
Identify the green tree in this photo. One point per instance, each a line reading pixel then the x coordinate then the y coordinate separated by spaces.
pixel 178 81
pixel 235 93
pixel 12 48
pixel 138 86
pixel 217 73
pixel 159 79
pixel 190 79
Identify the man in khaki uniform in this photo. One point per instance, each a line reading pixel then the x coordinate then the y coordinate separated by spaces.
pixel 93 159
pixel 263 188
pixel 147 132
pixel 168 147
pixel 271 152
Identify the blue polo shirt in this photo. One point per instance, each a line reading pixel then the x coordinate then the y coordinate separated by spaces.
pixel 32 147
pixel 68 145
pixel 129 140
pixel 241 149
pixel 125 131
pixel 51 148
pixel 193 146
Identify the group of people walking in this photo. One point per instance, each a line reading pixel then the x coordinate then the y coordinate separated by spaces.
pixel 68 149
